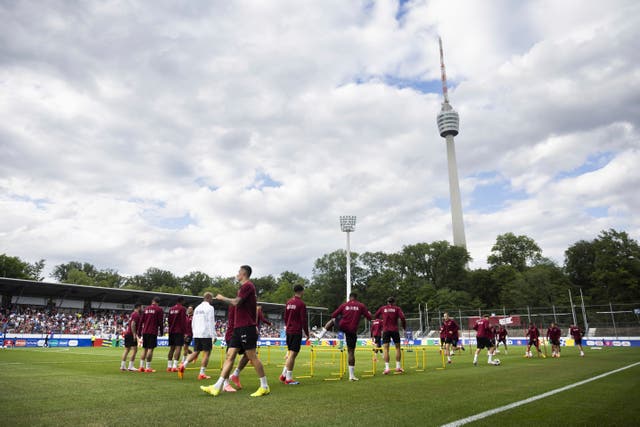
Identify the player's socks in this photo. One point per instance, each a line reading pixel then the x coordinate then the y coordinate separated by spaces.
pixel 219 383
pixel 475 359
pixel 131 365
pixel 169 365
pixel 263 382
pixel 386 366
pixel 289 375
pixel 148 365
pixel 225 382
pixel 284 371
pixel 202 370
pixel 142 363
pixel 352 373
pixel 236 372
pixel 175 363
pixel 398 366
pixel 122 365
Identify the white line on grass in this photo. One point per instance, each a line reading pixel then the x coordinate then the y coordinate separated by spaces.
pixel 490 412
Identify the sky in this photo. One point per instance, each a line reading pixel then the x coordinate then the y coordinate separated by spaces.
pixel 209 134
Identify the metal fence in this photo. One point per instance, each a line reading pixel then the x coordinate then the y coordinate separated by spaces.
pixel 611 320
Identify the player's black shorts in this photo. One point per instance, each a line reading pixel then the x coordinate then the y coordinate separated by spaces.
pixel 294 341
pixel 504 340
pixel 377 340
pixel 449 340
pixel 352 339
pixel 484 342
pixel 578 341
pixel 555 342
pixel 387 336
pixel 202 344
pixel 533 342
pixel 176 340
pixel 129 341
pixel 244 338
pixel 149 341
pixel 492 342
pixel 187 340
pixel 442 341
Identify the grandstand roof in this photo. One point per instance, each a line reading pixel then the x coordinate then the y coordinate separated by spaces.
pixel 32 288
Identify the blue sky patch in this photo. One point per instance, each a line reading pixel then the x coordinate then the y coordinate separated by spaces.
pixel 202 182
pixel 263 180
pixel 494 196
pixel 39 203
pixel 598 212
pixel 593 163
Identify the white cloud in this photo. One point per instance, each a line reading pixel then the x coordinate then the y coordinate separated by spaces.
pixel 133 136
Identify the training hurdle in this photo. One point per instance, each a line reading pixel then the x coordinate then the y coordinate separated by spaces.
pixel 421 358
pixel 338 353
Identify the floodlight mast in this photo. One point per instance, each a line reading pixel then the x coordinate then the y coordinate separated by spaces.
pixel 348 225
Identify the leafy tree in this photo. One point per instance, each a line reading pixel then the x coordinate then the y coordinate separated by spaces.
pixel 516 251
pixel 61 271
pixel 79 277
pixel 329 278
pixel 16 268
pixel 195 282
pixel 264 285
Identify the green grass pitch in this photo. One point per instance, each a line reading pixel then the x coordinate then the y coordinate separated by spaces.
pixel 84 386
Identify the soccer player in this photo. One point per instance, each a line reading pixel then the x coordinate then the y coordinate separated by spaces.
pixel 203 326
pixel 376 335
pixel 177 331
pixel 390 314
pixel 245 334
pixel 351 312
pixel 295 320
pixel 553 335
pixel 534 334
pixel 576 333
pixel 188 335
pixel 451 329
pixel 502 338
pixel 152 326
pixel 443 337
pixel 483 338
pixel 131 339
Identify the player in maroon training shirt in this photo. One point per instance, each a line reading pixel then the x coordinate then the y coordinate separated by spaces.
pixel 131 339
pixel 553 335
pixel 502 338
pixel 350 313
pixel 576 333
pixel 376 336
pixel 483 338
pixel 245 334
pixel 188 335
pixel 177 330
pixel 391 314
pixel 152 326
pixel 534 334
pixel 451 329
pixel 295 320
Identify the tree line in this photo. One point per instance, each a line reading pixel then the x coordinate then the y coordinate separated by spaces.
pixel 606 269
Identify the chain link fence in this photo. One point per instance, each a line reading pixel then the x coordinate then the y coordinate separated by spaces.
pixel 610 320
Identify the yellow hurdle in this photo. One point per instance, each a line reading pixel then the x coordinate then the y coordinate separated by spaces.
pixel 342 361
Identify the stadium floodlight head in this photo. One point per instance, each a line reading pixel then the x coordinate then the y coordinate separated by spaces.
pixel 348 225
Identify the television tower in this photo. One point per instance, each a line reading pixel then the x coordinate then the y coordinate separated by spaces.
pixel 448 125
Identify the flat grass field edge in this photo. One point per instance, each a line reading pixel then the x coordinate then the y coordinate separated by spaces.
pixel 84 386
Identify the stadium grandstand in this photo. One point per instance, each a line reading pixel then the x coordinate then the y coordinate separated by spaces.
pixel 33 307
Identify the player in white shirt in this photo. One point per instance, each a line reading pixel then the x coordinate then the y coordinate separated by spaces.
pixel 203 326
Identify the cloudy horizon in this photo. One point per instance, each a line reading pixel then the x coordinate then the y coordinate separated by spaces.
pixel 212 134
